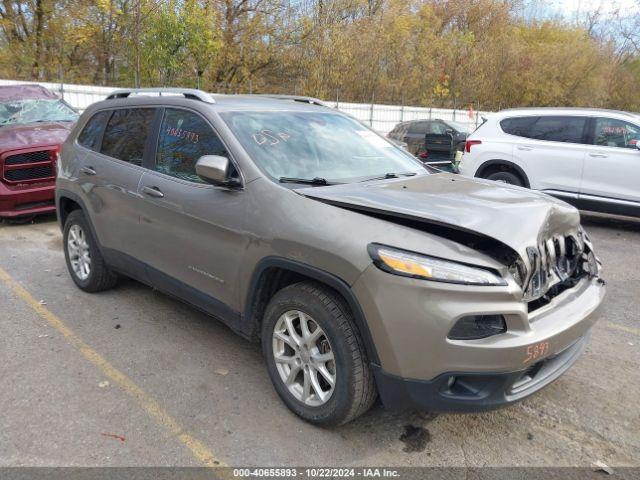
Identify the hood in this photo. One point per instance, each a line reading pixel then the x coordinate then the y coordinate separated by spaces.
pixel 514 216
pixel 13 137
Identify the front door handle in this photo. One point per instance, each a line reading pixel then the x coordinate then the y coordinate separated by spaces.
pixel 153 192
pixel 525 148
pixel 88 170
pixel 598 155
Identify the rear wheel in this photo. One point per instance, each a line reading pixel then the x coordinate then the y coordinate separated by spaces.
pixel 315 356
pixel 506 177
pixel 84 260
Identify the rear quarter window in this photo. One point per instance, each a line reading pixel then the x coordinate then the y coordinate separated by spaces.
pixel 92 132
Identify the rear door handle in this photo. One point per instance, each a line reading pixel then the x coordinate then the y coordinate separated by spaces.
pixel 88 170
pixel 598 155
pixel 153 192
pixel 525 148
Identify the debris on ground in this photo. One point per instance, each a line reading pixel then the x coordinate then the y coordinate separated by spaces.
pixel 103 384
pixel 600 466
pixel 222 371
pixel 113 435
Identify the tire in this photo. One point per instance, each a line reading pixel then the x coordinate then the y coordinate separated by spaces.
pixel 98 276
pixel 353 391
pixel 506 177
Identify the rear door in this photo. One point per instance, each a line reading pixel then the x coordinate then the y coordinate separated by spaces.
pixel 193 232
pixel 612 166
pixel 551 150
pixel 111 172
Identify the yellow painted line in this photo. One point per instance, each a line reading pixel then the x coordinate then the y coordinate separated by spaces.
pixel 155 411
pixel 624 328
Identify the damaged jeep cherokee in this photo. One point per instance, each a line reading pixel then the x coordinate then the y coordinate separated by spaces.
pixel 362 273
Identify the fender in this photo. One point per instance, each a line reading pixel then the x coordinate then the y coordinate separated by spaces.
pixel 506 163
pixel 249 323
pixel 61 193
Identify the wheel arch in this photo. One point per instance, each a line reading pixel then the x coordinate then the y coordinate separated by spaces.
pixel 67 202
pixel 502 165
pixel 272 274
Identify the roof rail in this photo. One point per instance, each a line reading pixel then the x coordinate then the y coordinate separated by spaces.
pixel 190 93
pixel 298 98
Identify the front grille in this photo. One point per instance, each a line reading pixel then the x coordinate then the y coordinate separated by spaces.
pixel 29 166
pixel 30 157
pixel 29 173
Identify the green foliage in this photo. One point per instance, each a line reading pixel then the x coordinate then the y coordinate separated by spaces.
pixel 422 52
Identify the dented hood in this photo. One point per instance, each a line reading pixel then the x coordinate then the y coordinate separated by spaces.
pixel 514 216
pixel 13 137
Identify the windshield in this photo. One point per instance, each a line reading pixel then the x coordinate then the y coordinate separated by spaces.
pixel 35 110
pixel 461 127
pixel 324 145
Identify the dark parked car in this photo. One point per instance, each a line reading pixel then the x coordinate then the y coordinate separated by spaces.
pixel 33 124
pixel 413 133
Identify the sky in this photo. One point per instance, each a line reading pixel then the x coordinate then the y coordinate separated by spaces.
pixel 571 9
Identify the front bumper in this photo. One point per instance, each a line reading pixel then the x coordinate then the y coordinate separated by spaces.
pixel 409 321
pixel 26 200
pixel 472 392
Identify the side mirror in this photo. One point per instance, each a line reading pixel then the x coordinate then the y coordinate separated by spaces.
pixel 215 170
pixel 449 132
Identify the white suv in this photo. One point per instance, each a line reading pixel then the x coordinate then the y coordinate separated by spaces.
pixel 587 157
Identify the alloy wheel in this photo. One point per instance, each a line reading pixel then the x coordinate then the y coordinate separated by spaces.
pixel 79 255
pixel 304 358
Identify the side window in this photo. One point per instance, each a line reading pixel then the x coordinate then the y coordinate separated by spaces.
pixel 184 138
pixel 549 128
pixel 126 134
pixel 436 128
pixel 616 133
pixel 559 129
pixel 92 131
pixel 419 128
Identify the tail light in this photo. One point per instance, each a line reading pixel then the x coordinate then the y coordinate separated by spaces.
pixel 423 154
pixel 470 143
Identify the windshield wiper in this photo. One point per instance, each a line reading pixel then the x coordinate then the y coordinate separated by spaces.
pixel 390 175
pixel 308 181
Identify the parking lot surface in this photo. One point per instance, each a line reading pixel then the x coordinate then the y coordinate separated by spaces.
pixel 132 377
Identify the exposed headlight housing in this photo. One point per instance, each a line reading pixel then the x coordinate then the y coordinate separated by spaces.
pixel 415 265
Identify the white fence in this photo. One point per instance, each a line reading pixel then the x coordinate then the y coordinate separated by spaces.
pixel 381 117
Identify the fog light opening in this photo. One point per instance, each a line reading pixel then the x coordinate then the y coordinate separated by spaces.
pixel 475 327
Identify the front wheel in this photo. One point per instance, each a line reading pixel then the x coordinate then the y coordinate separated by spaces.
pixel 315 356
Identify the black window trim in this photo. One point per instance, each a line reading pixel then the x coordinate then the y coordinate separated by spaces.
pixel 154 150
pixel 585 129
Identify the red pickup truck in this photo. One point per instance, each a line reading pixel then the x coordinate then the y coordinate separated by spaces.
pixel 34 122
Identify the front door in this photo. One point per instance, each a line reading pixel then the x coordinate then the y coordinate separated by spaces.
pixel 193 231
pixel 612 166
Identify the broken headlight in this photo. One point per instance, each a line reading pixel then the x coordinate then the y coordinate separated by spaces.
pixel 415 265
